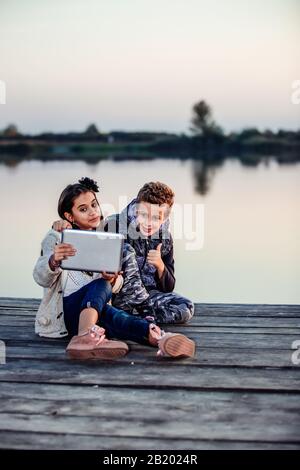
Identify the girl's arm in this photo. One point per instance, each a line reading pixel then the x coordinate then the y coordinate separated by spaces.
pixel 42 273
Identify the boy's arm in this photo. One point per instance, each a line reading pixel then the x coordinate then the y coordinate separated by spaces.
pixel 166 282
pixel 133 292
pixel 60 225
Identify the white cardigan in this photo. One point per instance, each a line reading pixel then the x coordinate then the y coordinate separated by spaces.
pixel 49 320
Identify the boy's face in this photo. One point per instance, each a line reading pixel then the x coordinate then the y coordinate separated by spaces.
pixel 151 216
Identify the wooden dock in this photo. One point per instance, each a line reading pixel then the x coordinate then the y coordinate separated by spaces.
pixel 241 391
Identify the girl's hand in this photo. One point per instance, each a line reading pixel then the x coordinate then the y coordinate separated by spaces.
pixel 60 225
pixel 63 251
pixel 60 252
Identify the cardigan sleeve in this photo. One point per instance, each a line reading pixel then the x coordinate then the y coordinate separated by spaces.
pixel 42 274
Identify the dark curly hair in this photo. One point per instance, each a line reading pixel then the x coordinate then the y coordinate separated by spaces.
pixel 72 191
pixel 156 193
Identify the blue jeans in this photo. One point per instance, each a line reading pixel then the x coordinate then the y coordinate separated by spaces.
pixel 117 323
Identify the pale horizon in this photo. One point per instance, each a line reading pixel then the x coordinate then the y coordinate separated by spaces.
pixel 141 66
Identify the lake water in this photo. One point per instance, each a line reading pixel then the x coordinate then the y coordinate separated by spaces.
pixel 247 229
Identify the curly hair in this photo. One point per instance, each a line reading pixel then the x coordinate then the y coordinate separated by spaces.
pixel 156 193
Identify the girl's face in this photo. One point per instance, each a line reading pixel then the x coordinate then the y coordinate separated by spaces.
pixel 85 212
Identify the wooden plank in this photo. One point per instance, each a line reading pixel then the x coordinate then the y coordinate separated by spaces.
pixel 181 374
pixel 53 391
pixel 246 306
pixel 244 310
pixel 9 317
pixel 17 321
pixel 247 310
pixel 19 303
pixel 246 322
pixel 80 400
pixel 233 324
pixel 18 313
pixel 191 328
pixel 204 338
pixel 138 354
pixel 128 419
pixel 49 441
pixel 201 416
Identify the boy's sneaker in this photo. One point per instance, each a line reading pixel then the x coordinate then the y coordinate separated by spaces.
pixel 175 345
pixel 94 345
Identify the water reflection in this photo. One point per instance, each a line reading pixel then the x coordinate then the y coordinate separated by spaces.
pixel 204 166
pixel 251 221
pixel 204 171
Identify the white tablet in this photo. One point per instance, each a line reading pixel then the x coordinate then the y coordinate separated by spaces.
pixel 96 251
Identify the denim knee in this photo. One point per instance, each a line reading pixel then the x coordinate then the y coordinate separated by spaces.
pixel 98 295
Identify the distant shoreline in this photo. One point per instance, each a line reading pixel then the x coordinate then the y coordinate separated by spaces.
pixel 249 145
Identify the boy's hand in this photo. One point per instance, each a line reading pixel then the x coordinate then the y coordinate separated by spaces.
pixel 154 258
pixel 110 277
pixel 60 225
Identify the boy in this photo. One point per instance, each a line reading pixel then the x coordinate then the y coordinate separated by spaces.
pixel 145 225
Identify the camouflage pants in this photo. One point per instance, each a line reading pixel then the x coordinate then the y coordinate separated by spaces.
pixel 164 307
pixel 168 307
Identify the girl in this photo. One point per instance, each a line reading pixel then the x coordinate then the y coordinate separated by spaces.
pixel 77 303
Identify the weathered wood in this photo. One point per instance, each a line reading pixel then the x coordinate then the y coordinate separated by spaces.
pixel 240 391
pixel 48 441
pixel 110 412
pixel 11 318
pixel 183 374
pixel 203 337
pixel 8 322
pixel 244 310
pixel 19 303
pixel 139 355
pixel 19 313
pixel 114 415
pixel 79 400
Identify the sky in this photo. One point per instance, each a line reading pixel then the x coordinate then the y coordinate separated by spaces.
pixel 141 64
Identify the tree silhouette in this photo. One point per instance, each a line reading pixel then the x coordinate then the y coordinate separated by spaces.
pixel 202 121
pixel 92 130
pixel 11 131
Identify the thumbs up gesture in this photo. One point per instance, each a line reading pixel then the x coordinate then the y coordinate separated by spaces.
pixel 154 258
